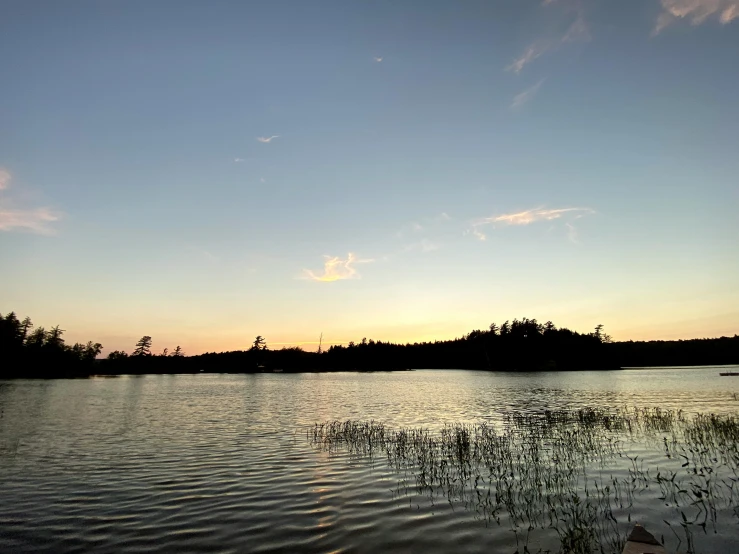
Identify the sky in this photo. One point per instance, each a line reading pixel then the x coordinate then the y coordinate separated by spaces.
pixel 203 172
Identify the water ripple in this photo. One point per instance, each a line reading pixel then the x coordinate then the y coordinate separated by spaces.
pixel 219 463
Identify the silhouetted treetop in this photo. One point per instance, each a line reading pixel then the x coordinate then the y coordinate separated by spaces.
pixel 143 346
pixel 518 345
pixel 259 343
pixel 29 352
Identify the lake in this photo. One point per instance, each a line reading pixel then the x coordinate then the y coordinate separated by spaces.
pixel 505 462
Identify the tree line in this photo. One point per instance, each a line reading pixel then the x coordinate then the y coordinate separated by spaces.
pixel 518 345
pixel 31 351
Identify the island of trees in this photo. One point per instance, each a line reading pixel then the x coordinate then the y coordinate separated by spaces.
pixel 520 345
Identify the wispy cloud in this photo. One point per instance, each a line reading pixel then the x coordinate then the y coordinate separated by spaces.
pixel 697 11
pixel 423 245
pixel 577 30
pixel 337 269
pixel 409 229
pixel 267 139
pixel 523 97
pixel 474 230
pixel 566 215
pixel 571 232
pixel 528 56
pixel 426 235
pixel 378 59
pixel 239 160
pixel 4 178
pixel 532 216
pixel 36 220
pixel 479 235
pixel 427 224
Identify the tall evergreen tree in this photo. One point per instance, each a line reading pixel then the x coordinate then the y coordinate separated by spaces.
pixel 143 346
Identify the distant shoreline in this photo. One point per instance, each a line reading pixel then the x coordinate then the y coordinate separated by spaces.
pixel 306 371
pixel 524 345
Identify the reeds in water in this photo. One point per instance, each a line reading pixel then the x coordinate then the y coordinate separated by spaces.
pixel 574 472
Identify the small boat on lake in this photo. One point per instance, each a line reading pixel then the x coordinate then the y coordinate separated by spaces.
pixel 729 374
pixel 641 541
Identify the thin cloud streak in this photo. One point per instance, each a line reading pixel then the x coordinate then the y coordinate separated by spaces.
pixel 528 217
pixel 571 232
pixel 697 11
pixel 479 235
pixel 428 224
pixel 378 59
pixel 529 55
pixel 267 139
pixel 36 220
pixel 527 95
pixel 4 178
pixel 531 216
pixel 336 269
pixel 577 31
pixel 424 245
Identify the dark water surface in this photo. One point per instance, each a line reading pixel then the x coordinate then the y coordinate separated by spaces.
pixel 222 463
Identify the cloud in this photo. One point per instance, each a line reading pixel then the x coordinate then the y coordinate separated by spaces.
pixel 378 59
pixel 267 139
pixel 239 160
pixel 576 31
pixel 532 216
pixel 527 217
pixel 529 55
pixel 4 178
pixel 523 97
pixel 571 232
pixel 729 14
pixel 697 11
pixel 409 229
pixel 424 245
pixel 475 232
pixel 336 269
pixel 429 224
pixel 36 220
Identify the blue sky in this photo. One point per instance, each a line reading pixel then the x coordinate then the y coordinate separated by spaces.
pixel 203 172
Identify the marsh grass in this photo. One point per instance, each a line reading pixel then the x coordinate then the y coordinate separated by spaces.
pixel 576 473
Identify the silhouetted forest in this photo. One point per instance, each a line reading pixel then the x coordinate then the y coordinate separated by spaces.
pixel 26 351
pixel 521 345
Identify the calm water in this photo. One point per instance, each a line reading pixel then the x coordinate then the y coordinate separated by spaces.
pixel 221 462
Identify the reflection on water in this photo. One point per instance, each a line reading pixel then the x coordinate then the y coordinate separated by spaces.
pixel 220 462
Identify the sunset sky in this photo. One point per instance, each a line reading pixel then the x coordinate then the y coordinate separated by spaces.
pixel 203 172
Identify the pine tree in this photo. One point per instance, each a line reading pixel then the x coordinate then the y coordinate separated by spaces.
pixel 143 347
